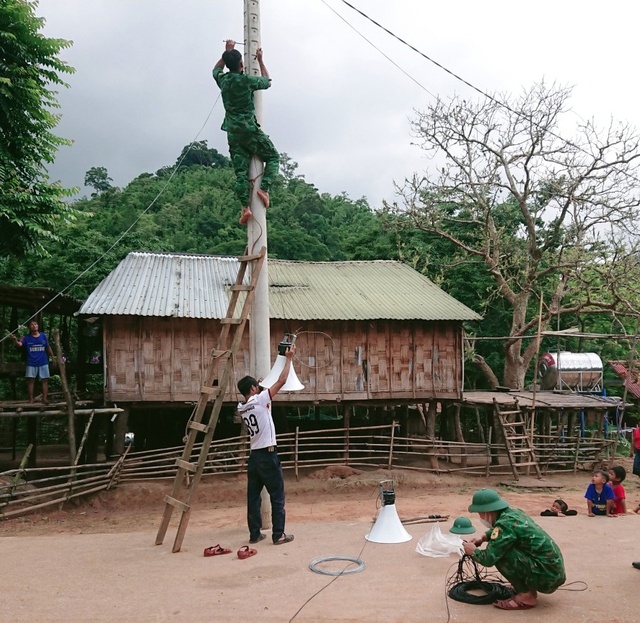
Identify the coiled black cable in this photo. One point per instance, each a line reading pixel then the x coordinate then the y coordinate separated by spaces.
pixel 493 592
pixel 469 577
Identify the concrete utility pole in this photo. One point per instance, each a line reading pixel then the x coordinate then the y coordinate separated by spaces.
pixel 257 226
pixel 259 328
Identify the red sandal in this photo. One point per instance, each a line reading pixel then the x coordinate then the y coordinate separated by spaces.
pixel 216 550
pixel 246 552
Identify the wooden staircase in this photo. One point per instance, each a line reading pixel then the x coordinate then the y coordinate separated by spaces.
pixel 517 439
pixel 214 389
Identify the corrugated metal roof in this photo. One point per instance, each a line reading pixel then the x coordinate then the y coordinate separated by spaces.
pixel 620 367
pixel 197 286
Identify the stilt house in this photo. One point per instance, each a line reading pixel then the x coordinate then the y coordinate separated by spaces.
pixel 374 331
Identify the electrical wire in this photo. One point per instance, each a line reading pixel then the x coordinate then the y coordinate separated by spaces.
pixel 470 577
pixel 490 97
pixel 313 565
pixel 126 231
pixel 338 574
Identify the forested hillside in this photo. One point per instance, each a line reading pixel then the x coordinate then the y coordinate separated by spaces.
pixel 191 208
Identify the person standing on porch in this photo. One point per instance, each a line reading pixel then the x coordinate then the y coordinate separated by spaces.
pixel 37 346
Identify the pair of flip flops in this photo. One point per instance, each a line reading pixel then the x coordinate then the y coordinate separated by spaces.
pixel 217 550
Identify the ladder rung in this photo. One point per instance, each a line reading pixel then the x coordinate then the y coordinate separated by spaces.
pixel 209 390
pixel 216 354
pixel 526 464
pixel 203 428
pixel 190 467
pixel 520 450
pixel 241 288
pixel 177 503
pixel 509 412
pixel 230 320
pixel 249 258
pixel 516 437
pixel 514 423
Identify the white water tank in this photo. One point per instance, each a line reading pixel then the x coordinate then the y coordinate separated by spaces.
pixel 565 370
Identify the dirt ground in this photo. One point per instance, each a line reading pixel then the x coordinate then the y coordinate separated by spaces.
pixel 96 561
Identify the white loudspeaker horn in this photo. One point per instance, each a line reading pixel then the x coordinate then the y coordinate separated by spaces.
pixel 293 384
pixel 388 528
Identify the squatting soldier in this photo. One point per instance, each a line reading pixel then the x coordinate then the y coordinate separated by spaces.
pixel 520 549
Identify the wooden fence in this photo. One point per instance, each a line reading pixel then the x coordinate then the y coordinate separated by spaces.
pixel 24 490
pixel 375 447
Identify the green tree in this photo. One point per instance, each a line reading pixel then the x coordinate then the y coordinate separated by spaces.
pixel 98 179
pixel 539 215
pixel 199 153
pixel 31 208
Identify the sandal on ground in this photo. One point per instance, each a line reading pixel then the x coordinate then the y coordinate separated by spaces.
pixel 260 538
pixel 285 538
pixel 246 552
pixel 216 550
pixel 512 604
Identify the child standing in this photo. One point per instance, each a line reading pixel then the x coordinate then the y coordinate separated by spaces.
pixel 599 495
pixel 616 475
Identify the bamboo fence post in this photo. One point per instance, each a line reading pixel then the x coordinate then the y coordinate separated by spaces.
pixel 23 462
pixel 295 455
pixel 480 427
pixel 488 472
pixel 627 380
pixel 84 438
pixel 393 433
pixel 67 397
pixel 347 425
pixel 459 435
pixel 577 453
pixel 535 370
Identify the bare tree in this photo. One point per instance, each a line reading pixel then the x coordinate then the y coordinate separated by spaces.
pixel 543 214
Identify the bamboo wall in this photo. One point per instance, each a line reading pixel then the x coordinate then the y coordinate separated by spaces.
pixel 165 359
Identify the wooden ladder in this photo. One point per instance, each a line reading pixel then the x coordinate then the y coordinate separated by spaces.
pixel 213 388
pixel 517 440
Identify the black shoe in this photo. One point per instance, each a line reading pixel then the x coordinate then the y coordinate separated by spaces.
pixel 260 538
pixel 285 538
pixel 636 565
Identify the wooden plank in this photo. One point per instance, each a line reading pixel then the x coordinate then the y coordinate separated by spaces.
pixel 176 503
pixel 203 428
pixel 190 467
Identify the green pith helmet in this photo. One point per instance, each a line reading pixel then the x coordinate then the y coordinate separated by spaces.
pixel 487 501
pixel 462 525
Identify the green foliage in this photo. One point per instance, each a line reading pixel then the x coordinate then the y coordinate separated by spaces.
pixel 197 212
pixel 98 178
pixel 199 153
pixel 31 208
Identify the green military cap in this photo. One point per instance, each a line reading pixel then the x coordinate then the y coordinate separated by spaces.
pixel 462 525
pixel 486 501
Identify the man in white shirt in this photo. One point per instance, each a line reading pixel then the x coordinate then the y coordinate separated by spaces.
pixel 263 467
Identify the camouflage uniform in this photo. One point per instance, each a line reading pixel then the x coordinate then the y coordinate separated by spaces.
pixel 244 135
pixel 523 553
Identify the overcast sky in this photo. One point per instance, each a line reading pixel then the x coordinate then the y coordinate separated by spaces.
pixel 143 87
